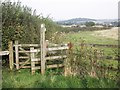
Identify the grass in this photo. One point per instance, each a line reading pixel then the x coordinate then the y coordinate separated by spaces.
pixel 89 38
pixel 23 79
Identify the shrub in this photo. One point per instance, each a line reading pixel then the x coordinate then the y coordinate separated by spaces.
pixel 21 23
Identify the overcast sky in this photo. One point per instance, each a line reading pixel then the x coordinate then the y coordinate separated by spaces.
pixel 67 9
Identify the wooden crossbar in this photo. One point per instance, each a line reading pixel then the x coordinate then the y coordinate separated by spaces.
pixel 55 57
pixel 52 49
pixel 27 45
pixel 4 53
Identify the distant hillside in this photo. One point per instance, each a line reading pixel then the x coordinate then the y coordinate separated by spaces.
pixel 84 20
pixel 75 21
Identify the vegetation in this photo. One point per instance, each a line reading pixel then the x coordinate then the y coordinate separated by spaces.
pixel 82 57
pixel 79 29
pixel 21 22
pixel 88 37
pixel 24 79
pixel 89 24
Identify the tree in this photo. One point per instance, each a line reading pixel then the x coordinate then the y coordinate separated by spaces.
pixel 89 24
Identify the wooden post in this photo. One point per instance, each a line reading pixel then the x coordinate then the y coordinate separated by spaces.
pixel 32 62
pixel 11 60
pixel 16 55
pixel 67 69
pixel 42 44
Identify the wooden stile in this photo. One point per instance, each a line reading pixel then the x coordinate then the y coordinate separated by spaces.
pixel 26 52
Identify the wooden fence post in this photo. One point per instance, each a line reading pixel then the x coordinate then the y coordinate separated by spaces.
pixel 32 62
pixel 67 69
pixel 11 60
pixel 42 44
pixel 16 55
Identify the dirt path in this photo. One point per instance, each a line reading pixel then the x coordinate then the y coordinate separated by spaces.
pixel 110 33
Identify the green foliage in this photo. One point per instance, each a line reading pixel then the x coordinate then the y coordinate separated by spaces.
pixel 89 24
pixel 83 58
pixel 89 38
pixel 21 23
pixel 23 79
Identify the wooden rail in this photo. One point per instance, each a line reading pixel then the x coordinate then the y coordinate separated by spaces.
pixel 2 53
pixel 27 45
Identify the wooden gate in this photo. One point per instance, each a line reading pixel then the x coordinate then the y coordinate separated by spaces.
pixel 23 55
pixel 37 56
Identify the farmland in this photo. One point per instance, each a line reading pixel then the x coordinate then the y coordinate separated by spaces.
pixel 25 36
pixel 58 81
pixel 92 38
pixel 111 33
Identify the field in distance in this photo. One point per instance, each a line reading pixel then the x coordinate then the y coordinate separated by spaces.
pixel 110 33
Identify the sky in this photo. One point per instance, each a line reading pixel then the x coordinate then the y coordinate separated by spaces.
pixel 67 9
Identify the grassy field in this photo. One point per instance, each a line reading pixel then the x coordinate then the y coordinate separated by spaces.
pixel 89 38
pixel 24 79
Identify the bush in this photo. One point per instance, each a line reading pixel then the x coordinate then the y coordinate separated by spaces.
pixel 21 23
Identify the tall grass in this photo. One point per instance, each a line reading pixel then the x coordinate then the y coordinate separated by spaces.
pixel 23 79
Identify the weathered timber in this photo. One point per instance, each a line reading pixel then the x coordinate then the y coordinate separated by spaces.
pixel 16 54
pixel 55 57
pixel 2 53
pixel 11 59
pixel 21 57
pixel 58 48
pixel 43 48
pixel 32 62
pixel 37 67
pixel 28 45
pixel 25 67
